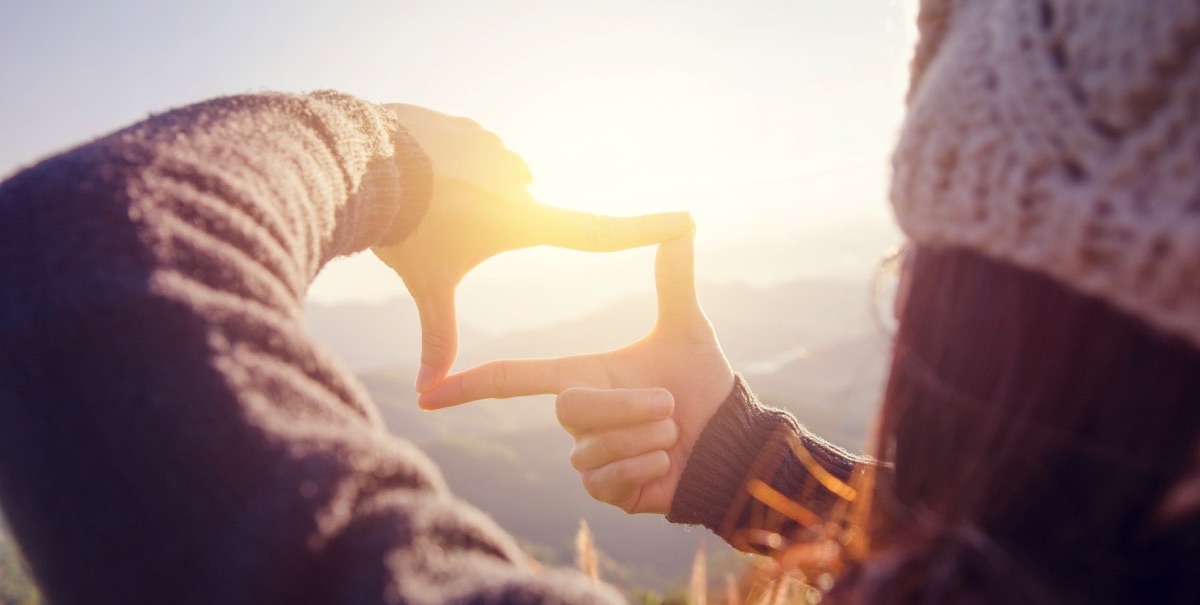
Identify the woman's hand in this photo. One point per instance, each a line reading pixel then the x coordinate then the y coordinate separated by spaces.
pixel 635 412
pixel 481 207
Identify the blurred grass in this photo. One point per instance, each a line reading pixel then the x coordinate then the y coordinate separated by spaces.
pixel 16 588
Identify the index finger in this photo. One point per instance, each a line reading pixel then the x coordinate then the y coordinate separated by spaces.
pixel 508 378
pixel 598 233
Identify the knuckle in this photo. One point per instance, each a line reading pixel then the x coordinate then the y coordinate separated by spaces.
pixel 601 232
pixel 605 449
pixel 593 486
pixel 462 393
pixel 436 341
pixel 577 458
pixel 624 473
pixel 558 374
pixel 499 378
pixel 669 431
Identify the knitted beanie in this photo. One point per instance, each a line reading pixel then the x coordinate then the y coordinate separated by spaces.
pixel 1062 136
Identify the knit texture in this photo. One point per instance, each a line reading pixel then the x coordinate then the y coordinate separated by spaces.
pixel 169 432
pixel 746 441
pixel 1059 135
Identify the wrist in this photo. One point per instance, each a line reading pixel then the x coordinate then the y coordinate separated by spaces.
pixel 727 449
pixel 416 188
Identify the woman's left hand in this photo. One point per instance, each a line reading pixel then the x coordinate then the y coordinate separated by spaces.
pixel 635 412
pixel 480 207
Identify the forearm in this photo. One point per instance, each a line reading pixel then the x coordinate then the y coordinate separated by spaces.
pixel 167 428
pixel 756 473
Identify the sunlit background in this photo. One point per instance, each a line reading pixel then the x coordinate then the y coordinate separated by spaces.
pixel 770 120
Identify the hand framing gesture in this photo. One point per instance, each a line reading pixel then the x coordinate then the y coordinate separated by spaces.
pixel 635 412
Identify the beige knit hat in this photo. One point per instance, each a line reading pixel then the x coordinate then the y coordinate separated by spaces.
pixel 1062 136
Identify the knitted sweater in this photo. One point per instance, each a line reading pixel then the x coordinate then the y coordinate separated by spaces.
pixel 168 430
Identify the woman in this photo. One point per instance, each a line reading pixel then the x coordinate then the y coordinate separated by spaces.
pixel 1040 433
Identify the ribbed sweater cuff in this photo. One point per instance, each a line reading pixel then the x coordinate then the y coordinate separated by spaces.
pixel 396 182
pixel 723 457
pixel 393 196
pixel 416 188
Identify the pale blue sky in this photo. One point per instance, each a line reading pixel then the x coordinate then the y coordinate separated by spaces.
pixel 760 116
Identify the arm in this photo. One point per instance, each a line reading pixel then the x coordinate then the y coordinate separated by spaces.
pixel 167 429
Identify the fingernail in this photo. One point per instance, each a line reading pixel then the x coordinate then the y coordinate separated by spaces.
pixel 661 403
pixel 426 378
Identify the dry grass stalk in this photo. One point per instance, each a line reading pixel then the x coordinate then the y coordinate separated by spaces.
pixel 585 552
pixel 732 593
pixel 700 578
pixel 776 592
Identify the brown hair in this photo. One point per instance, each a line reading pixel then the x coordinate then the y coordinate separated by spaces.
pixel 1027 438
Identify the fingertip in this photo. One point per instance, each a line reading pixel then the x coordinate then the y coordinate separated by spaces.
pixel 662 227
pixel 426 402
pixel 429 403
pixel 428 378
pixel 662 403
pixel 681 224
pixel 439 333
pixel 661 462
pixel 447 393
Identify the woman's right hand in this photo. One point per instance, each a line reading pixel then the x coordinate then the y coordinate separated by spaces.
pixel 635 412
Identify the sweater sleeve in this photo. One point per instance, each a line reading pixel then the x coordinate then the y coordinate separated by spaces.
pixel 759 479
pixel 168 430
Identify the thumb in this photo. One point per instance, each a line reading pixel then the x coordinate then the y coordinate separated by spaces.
pixel 439 335
pixel 675 281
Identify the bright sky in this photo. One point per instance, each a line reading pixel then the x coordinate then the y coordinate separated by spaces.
pixel 762 117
